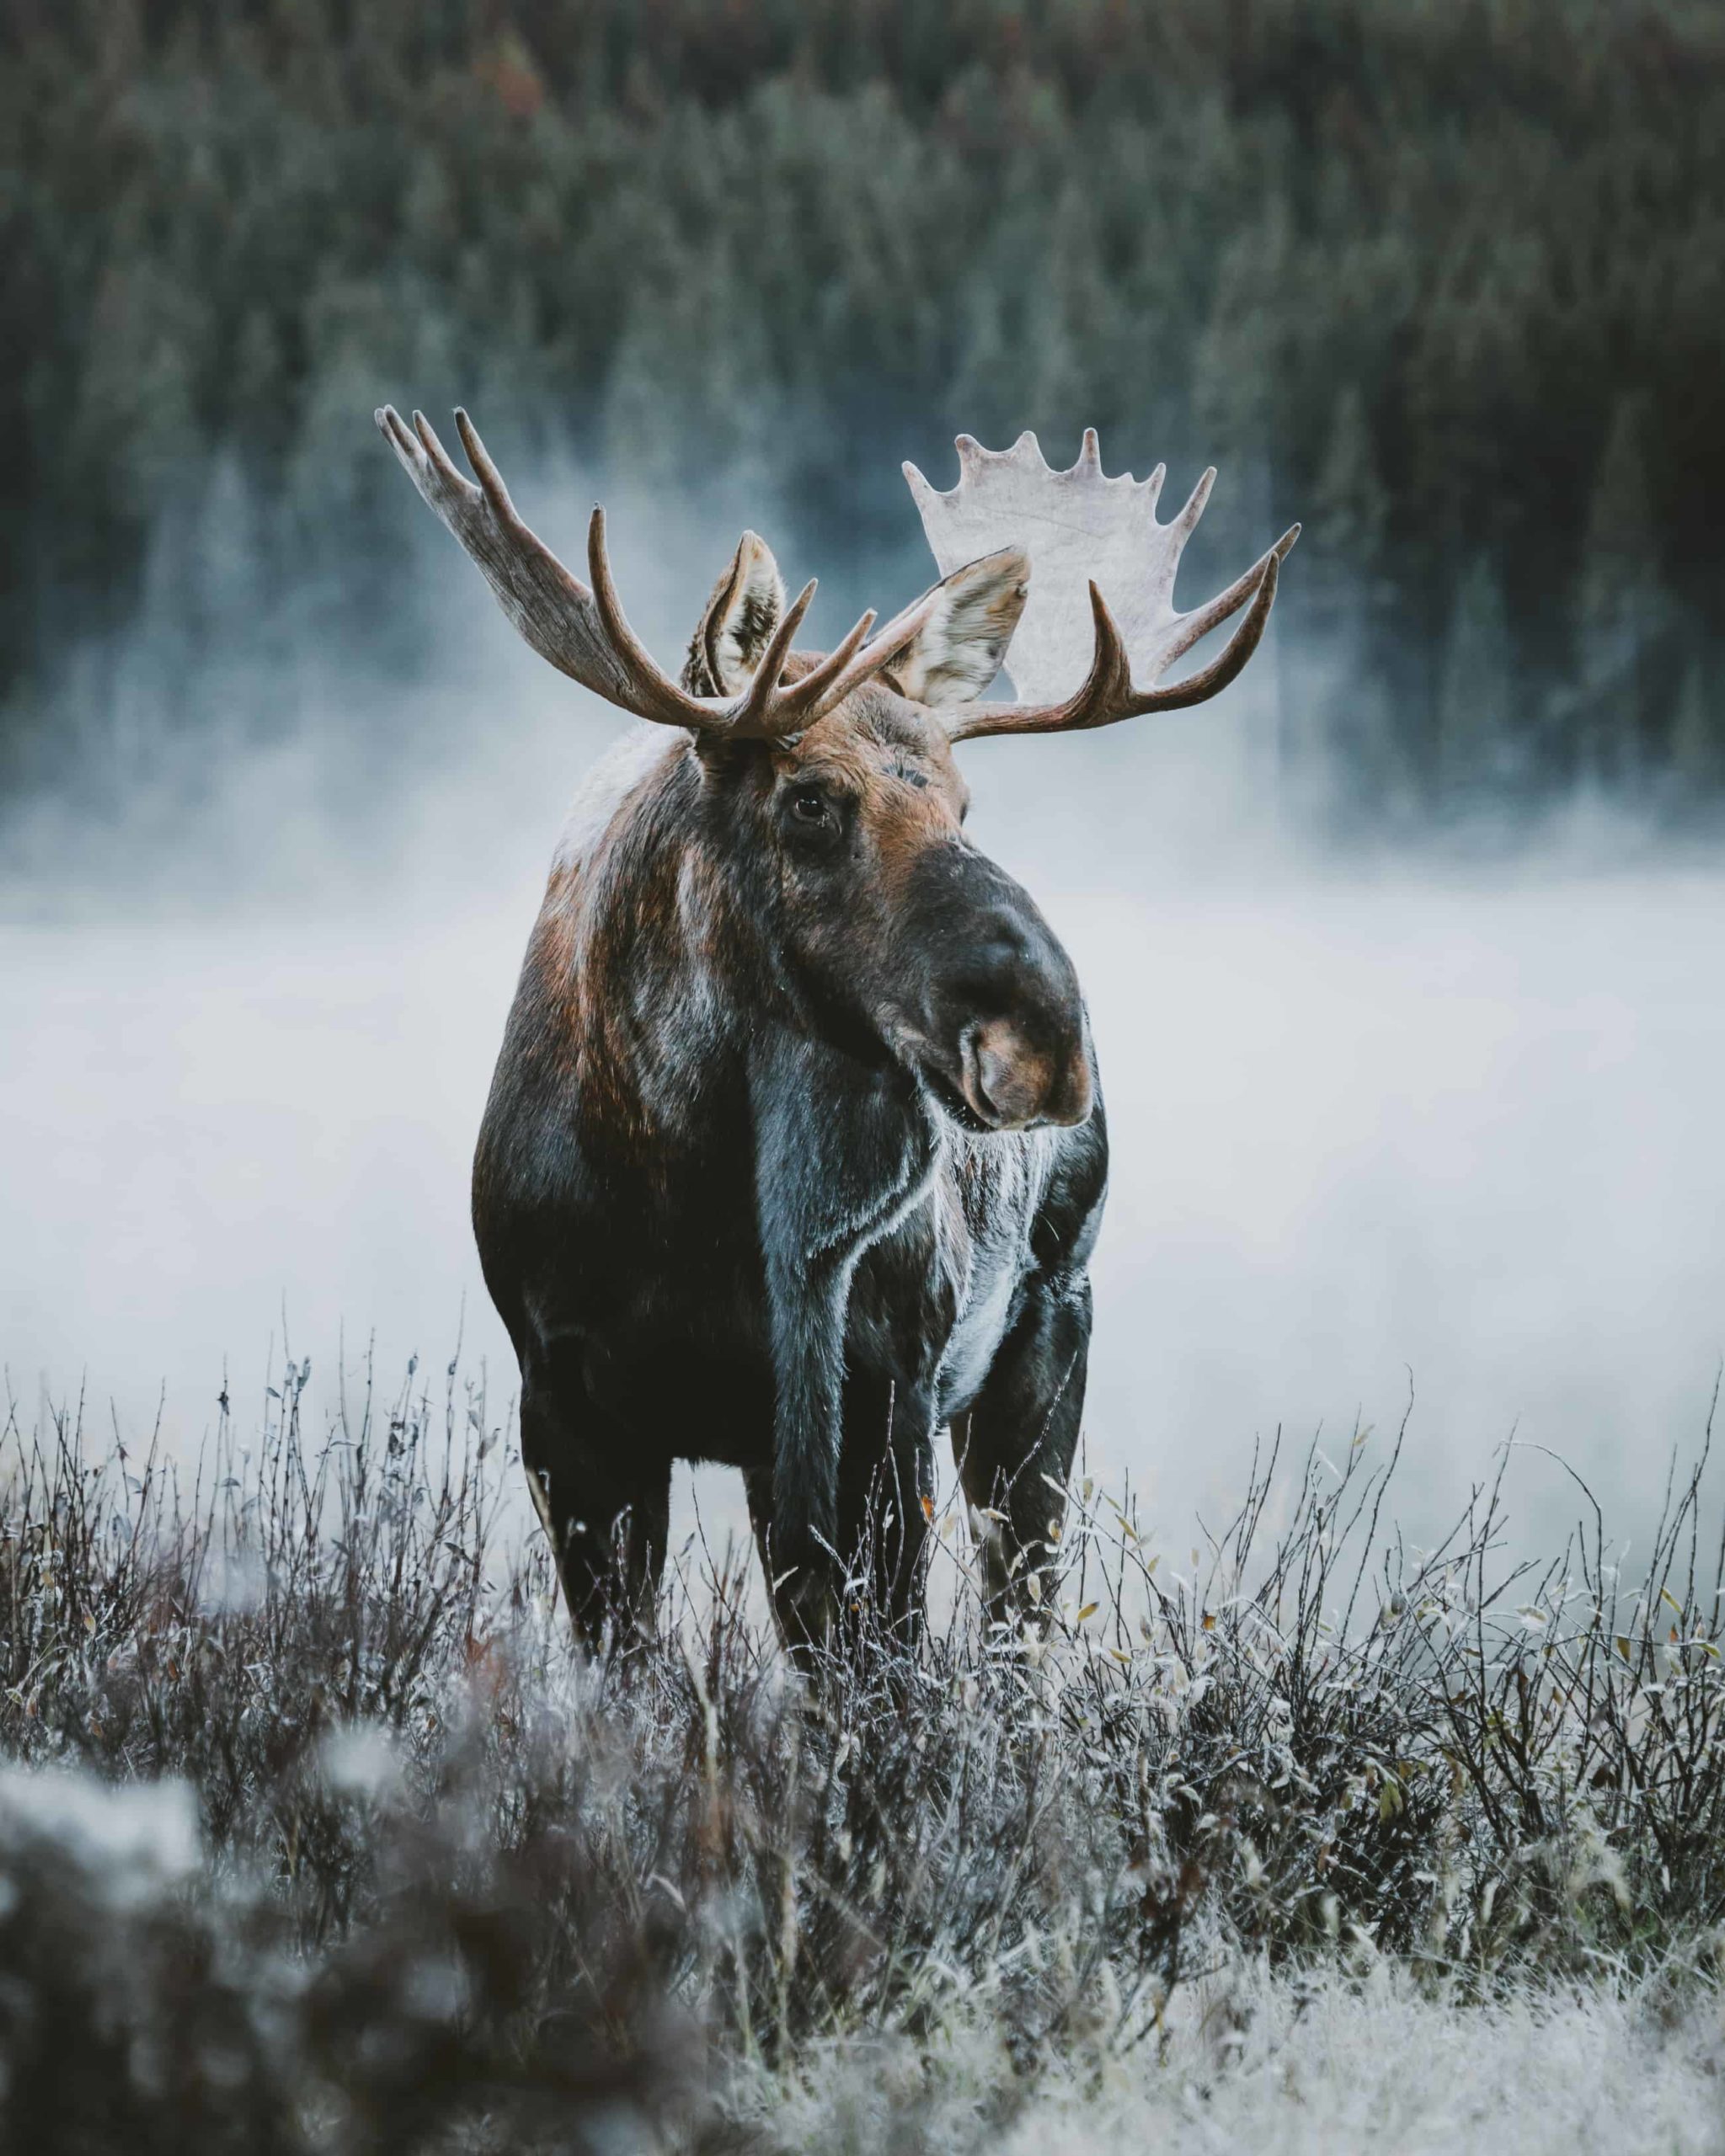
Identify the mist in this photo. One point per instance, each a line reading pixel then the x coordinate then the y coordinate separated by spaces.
pixel 1388 1125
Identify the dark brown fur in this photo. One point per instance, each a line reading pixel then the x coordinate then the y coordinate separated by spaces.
pixel 793 1155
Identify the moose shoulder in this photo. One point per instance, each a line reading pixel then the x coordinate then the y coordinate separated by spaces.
pixel 795 1153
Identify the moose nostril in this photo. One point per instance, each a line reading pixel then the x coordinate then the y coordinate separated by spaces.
pixel 1010 1082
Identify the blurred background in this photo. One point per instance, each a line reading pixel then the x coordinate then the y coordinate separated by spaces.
pixel 1404 958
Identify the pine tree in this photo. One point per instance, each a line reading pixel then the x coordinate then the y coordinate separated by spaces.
pixel 1623 607
pixel 1340 737
pixel 1476 753
pixel 1697 748
pixel 1350 504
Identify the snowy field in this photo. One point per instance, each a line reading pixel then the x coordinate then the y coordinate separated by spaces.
pixel 1344 2063
pixel 1334 2067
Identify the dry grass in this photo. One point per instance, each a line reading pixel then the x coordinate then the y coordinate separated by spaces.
pixel 385 1867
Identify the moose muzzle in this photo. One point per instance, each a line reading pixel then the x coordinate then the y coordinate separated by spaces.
pixel 998 1031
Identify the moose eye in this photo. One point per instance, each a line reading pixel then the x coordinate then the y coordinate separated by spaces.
pixel 808 805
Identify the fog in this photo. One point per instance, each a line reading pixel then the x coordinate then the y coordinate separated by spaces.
pixel 1448 1126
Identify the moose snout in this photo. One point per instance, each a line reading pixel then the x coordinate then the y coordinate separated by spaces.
pixel 996 1020
pixel 1010 1082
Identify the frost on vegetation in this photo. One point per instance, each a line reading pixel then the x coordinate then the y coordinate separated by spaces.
pixel 127 1844
pixel 1287 2067
pixel 360 1759
pixel 365 1853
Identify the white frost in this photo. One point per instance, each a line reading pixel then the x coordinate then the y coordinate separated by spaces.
pixel 132 1841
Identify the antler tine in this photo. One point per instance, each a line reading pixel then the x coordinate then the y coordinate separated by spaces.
pixel 440 458
pixel 801 703
pixel 490 479
pixel 880 651
pixel 1229 662
pixel 764 700
pixel 422 458
pixel 768 709
pixel 1186 523
pixel 648 691
pixel 1107 695
pixel 1198 623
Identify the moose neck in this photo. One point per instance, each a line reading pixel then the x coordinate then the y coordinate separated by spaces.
pixel 657 959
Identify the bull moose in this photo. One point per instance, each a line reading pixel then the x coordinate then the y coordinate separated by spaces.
pixel 795 1151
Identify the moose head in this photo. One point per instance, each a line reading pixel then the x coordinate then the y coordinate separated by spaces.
pixel 832 777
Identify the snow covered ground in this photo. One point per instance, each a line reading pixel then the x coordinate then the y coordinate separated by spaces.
pixel 1278 2065
pixel 1284 2068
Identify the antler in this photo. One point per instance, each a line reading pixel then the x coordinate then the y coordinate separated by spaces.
pixel 1086 530
pixel 586 634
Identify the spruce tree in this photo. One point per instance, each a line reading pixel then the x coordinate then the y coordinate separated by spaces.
pixel 1476 751
pixel 1622 606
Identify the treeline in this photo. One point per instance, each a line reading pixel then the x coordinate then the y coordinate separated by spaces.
pixel 1445 278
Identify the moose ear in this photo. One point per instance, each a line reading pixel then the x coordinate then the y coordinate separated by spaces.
pixel 737 624
pixel 958 651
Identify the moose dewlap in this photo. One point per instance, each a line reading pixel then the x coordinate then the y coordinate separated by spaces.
pixel 795 1152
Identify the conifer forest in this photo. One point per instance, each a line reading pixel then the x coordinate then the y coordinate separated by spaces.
pixel 1444 278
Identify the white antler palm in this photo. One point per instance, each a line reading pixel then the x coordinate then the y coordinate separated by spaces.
pixel 1101 607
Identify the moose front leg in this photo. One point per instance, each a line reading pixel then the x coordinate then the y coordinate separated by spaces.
pixel 886 1487
pixel 880 1538
pixel 1019 1437
pixel 603 1499
pixel 800 1544
pixel 841 1157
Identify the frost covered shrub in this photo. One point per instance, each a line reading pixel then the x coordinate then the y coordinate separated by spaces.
pixel 384 1866
pixel 149 2001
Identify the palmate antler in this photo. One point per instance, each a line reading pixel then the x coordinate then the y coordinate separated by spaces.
pixel 583 632
pixel 1083 529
